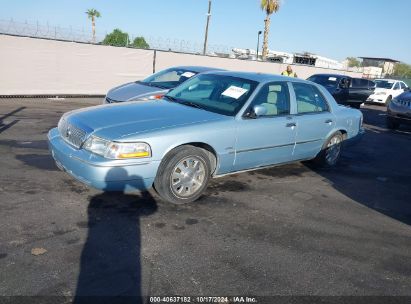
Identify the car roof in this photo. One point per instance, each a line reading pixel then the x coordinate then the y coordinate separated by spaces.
pixel 386 79
pixel 259 77
pixel 198 69
pixel 332 75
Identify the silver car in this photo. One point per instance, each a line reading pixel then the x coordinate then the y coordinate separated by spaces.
pixel 155 86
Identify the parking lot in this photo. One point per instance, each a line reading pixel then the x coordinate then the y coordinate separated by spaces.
pixel 291 230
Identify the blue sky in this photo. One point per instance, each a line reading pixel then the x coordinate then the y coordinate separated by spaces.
pixel 332 28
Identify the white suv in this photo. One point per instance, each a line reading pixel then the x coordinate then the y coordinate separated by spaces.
pixel 386 90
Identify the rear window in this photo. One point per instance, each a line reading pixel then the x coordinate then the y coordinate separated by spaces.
pixel 330 81
pixel 359 83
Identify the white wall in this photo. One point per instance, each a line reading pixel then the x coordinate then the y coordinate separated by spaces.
pixel 39 66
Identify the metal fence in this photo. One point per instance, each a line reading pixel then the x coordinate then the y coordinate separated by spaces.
pixel 47 31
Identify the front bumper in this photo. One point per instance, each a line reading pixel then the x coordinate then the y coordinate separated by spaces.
pixel 377 98
pixel 101 173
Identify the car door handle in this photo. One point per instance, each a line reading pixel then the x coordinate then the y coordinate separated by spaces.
pixel 291 125
pixel 328 121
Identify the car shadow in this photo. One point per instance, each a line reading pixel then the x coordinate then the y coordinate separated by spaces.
pixel 376 171
pixel 110 268
pixel 6 126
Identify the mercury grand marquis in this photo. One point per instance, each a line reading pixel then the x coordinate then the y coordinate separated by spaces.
pixel 214 124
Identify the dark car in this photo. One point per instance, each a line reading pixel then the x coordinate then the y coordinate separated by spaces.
pixel 345 89
pixel 399 110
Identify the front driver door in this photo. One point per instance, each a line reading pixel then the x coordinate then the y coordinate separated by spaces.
pixel 270 138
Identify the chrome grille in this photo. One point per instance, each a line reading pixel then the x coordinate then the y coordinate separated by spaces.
pixel 71 134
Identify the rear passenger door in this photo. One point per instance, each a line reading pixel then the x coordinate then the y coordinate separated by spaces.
pixel 314 120
pixel 359 90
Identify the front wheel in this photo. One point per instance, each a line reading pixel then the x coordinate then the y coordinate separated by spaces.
pixel 183 175
pixel 388 100
pixel 331 152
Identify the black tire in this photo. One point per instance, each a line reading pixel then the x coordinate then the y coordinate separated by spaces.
pixel 392 124
pixel 163 182
pixel 388 100
pixel 322 159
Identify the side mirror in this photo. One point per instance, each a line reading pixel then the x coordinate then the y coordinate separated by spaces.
pixel 260 110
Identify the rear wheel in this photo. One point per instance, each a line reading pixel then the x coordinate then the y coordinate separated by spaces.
pixel 183 175
pixel 331 152
pixel 392 124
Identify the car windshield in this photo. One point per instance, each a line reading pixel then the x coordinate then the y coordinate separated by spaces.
pixel 169 78
pixel 328 81
pixel 384 84
pixel 220 94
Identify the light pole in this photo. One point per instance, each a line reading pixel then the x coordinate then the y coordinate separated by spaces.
pixel 206 30
pixel 258 42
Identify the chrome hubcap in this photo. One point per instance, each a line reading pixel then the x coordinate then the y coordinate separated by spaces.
pixel 187 176
pixel 333 150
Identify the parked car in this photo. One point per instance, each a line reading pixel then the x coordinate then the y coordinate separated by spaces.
pixel 154 86
pixel 345 89
pixel 399 110
pixel 386 90
pixel 214 124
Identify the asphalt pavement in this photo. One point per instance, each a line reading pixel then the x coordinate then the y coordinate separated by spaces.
pixel 291 230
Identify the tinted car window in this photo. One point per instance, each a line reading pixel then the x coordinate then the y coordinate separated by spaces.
pixel 384 84
pixel 309 99
pixel 359 83
pixel 403 86
pixel 325 80
pixel 168 78
pixel 397 86
pixel 371 84
pixel 275 98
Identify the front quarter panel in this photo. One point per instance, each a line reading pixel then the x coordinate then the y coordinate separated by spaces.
pixel 218 135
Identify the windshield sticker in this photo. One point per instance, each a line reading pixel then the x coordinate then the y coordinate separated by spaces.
pixel 332 79
pixel 188 74
pixel 234 92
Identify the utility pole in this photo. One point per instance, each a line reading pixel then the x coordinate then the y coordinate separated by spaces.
pixel 258 43
pixel 206 31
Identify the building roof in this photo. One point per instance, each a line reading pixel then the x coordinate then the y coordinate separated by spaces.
pixel 380 59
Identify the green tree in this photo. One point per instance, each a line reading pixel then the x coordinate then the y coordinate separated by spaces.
pixel 270 7
pixel 116 38
pixel 402 70
pixel 353 62
pixel 93 14
pixel 140 42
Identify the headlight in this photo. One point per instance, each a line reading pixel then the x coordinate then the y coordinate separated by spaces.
pixel 116 150
pixel 152 97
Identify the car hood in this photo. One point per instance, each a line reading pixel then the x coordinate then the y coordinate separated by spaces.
pixel 116 121
pixel 381 90
pixel 406 96
pixel 133 90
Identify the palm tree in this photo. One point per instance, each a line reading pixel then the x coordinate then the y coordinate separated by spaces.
pixel 93 14
pixel 270 7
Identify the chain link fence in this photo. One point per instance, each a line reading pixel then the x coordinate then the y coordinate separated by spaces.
pixel 47 31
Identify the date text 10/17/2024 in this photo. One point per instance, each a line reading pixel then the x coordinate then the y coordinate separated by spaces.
pixel 199 299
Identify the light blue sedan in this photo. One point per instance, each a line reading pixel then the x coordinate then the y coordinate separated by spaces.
pixel 214 124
